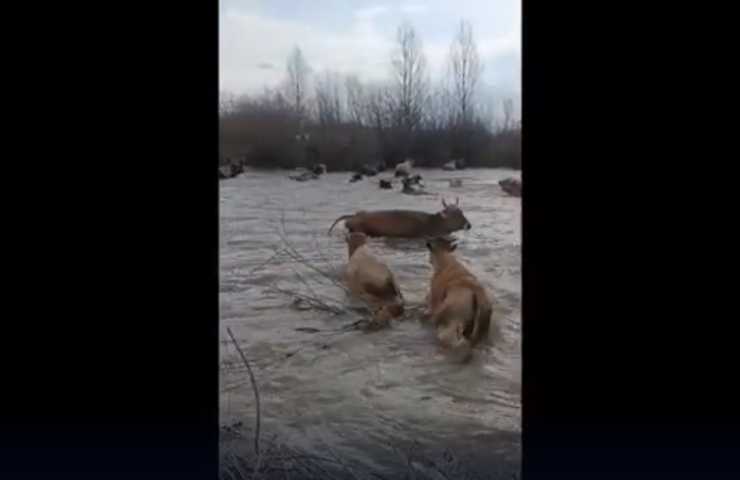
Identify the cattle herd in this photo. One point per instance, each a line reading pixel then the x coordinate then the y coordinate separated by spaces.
pixel 411 184
pixel 457 304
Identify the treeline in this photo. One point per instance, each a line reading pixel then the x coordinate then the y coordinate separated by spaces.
pixel 343 123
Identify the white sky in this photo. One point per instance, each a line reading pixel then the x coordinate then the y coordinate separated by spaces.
pixel 357 36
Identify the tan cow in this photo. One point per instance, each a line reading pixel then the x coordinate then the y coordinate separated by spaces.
pixel 403 169
pixel 458 305
pixel 372 281
pixel 407 223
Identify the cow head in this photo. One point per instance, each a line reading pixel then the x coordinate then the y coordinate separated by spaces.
pixel 453 217
pixel 354 241
pixel 441 244
pixel 439 247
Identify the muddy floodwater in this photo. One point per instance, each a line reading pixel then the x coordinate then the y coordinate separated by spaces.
pixel 364 396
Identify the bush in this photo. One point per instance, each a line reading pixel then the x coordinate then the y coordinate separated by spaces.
pixel 263 133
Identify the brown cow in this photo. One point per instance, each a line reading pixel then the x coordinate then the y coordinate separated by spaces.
pixel 406 223
pixel 512 186
pixel 458 305
pixel 371 280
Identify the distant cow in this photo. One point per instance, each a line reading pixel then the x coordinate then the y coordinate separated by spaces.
pixel 368 170
pixel 224 171
pixel 449 166
pixel 456 164
pixel 512 186
pixel 458 305
pixel 415 180
pixel 372 281
pixel 318 169
pixel 406 223
pixel 403 169
pixel 410 189
pixel 386 184
pixel 302 177
pixel 373 169
pixel 230 170
pixel 355 177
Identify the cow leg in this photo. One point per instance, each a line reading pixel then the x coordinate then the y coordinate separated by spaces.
pixel 438 316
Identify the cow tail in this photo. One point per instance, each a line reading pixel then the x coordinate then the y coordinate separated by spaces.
pixel 343 217
pixel 481 319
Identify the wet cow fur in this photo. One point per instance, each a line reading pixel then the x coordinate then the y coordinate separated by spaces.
pixel 370 279
pixel 458 306
pixel 406 223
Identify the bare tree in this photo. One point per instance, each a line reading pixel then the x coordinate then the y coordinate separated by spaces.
pixel 410 77
pixel 356 103
pixel 328 99
pixel 374 109
pixel 380 106
pixel 297 81
pixel 465 69
pixel 227 103
pixel 484 113
pixel 508 114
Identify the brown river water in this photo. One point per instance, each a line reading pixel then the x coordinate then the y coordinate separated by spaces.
pixel 365 395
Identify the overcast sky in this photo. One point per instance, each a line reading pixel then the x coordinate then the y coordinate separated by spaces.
pixel 357 36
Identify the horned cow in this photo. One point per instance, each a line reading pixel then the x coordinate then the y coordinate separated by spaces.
pixel 406 223
pixel 458 306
